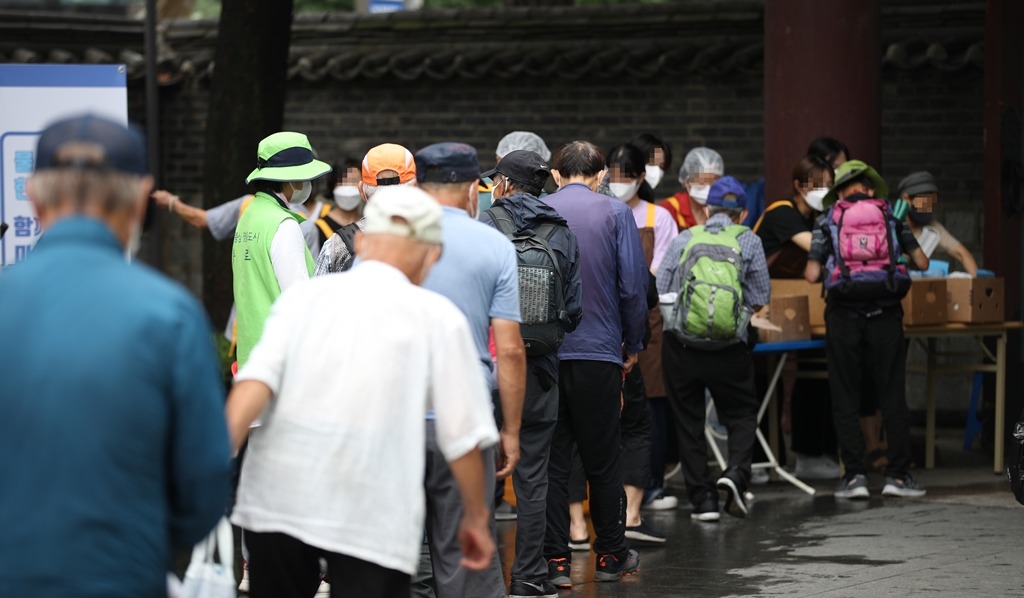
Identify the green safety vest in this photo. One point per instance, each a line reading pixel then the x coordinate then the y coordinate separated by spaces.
pixel 255 282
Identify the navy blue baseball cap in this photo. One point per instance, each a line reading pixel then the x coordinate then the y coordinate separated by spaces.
pixel 727 192
pixel 448 162
pixel 100 144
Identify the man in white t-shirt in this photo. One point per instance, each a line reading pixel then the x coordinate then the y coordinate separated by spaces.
pixel 919 191
pixel 338 425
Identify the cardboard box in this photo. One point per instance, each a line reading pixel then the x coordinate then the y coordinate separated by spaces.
pixel 815 302
pixel 975 300
pixel 925 304
pixel 789 313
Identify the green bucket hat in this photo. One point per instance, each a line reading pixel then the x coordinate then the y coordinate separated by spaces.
pixel 850 170
pixel 286 157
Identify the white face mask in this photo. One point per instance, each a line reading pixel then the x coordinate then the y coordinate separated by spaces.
pixel 624 191
pixel 347 197
pixel 301 194
pixel 654 175
pixel 134 242
pixel 699 193
pixel 816 197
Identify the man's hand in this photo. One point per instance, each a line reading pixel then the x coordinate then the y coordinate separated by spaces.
pixel 631 360
pixel 508 453
pixel 163 198
pixel 476 542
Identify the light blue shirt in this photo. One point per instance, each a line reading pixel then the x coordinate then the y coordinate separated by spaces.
pixel 478 271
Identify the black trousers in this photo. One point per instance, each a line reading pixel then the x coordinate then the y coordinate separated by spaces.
pixel 284 567
pixel 636 431
pixel 635 422
pixel 814 434
pixel 868 350
pixel 729 375
pixel 664 443
pixel 588 414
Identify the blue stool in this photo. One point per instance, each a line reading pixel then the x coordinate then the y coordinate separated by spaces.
pixel 973 427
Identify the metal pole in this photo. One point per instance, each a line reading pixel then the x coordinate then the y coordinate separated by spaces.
pixel 153 130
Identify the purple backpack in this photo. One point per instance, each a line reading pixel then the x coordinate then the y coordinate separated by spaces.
pixel 864 264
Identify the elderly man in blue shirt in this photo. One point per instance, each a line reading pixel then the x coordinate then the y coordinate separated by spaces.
pixel 113 443
pixel 593 360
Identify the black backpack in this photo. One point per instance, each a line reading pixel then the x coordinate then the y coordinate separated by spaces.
pixel 541 300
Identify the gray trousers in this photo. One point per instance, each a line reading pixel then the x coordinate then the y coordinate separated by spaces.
pixel 444 513
pixel 530 478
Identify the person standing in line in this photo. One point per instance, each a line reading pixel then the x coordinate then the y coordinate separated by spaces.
pixel 340 425
pixel 105 360
pixel 478 273
pixel 592 362
pixel 518 179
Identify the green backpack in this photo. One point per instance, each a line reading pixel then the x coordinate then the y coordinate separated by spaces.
pixel 709 311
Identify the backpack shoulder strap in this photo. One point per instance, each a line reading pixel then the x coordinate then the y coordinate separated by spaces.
pixel 325 228
pixel 503 219
pixel 650 215
pixel 325 210
pixel 245 204
pixel 772 206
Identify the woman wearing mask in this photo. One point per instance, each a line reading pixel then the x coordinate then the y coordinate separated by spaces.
pixel 659 159
pixel 701 168
pixel 785 231
pixel 785 226
pixel 347 210
pixel 628 167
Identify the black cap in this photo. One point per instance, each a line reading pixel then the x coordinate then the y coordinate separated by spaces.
pixel 522 166
pixel 115 146
pixel 447 162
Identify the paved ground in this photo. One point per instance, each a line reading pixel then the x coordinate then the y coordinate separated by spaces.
pixel 965 538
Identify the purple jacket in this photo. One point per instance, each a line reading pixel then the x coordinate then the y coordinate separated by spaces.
pixel 614 274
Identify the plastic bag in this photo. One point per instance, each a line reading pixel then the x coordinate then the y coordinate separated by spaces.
pixel 206 578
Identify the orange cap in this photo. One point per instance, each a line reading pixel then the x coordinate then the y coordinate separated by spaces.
pixel 388 156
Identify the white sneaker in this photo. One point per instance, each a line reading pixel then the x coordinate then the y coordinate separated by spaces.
pixel 662 503
pixel 243 586
pixel 816 468
pixel 324 591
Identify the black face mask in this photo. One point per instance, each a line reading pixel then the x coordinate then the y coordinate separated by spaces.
pixel 920 218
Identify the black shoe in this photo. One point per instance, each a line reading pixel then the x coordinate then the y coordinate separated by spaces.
pixel 707 509
pixel 612 568
pixel 732 488
pixel 527 589
pixel 560 572
pixel 644 533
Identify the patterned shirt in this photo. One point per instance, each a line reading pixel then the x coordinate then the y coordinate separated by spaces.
pixel 754 279
pixel 334 255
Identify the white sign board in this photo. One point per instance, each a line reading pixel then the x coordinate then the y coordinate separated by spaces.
pixel 31 97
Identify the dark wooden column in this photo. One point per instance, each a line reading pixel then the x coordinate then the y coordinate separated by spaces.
pixel 1003 180
pixel 1004 112
pixel 822 65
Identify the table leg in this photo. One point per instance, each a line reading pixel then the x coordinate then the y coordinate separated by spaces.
pixel 929 438
pixel 773 418
pixel 1000 401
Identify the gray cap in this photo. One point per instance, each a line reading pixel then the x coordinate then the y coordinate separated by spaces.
pixel 917 183
pixel 404 211
pixel 701 159
pixel 523 140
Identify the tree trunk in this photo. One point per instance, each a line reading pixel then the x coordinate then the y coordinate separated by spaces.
pixel 247 94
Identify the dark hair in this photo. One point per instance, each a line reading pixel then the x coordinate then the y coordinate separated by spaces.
pixel 862 179
pixel 526 188
pixel 629 158
pixel 827 149
pixel 648 142
pixel 268 187
pixel 578 158
pixel 338 169
pixel 808 166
